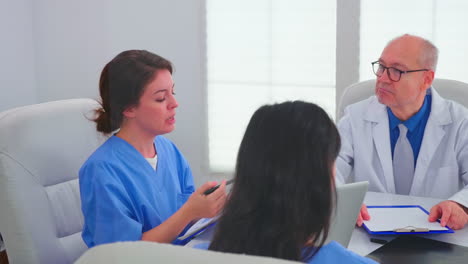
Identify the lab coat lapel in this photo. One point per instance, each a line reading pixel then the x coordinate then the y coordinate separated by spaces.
pixel 433 135
pixel 377 116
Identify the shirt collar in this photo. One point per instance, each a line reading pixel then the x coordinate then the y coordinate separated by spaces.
pixel 413 121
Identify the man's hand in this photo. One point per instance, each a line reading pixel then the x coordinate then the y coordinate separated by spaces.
pixel 451 214
pixel 363 215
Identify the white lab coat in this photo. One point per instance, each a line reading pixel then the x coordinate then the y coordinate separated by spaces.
pixel 442 166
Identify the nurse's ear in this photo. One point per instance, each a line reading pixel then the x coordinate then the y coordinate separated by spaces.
pixel 129 112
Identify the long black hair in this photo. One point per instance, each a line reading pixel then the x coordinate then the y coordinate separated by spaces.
pixel 284 193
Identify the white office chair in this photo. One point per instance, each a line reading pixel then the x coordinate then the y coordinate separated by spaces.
pixel 143 252
pixel 449 89
pixel 42 147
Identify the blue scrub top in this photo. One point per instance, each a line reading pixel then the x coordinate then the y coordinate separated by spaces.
pixel 122 196
pixel 332 252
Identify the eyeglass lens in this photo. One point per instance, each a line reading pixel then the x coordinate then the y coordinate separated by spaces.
pixel 393 74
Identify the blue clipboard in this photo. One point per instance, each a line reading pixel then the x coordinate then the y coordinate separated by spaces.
pixel 183 240
pixel 406 230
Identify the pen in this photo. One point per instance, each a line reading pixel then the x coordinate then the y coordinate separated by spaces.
pixel 212 189
pixel 379 241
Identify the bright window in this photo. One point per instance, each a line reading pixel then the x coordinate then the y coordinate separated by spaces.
pixel 260 52
pixel 444 22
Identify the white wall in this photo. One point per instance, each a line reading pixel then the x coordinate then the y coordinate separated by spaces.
pixel 71 47
pixel 17 75
pixel 55 49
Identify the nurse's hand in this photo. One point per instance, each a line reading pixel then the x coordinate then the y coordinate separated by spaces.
pixel 451 214
pixel 205 206
pixel 197 206
pixel 363 215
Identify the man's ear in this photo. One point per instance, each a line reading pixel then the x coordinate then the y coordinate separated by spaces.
pixel 129 112
pixel 428 79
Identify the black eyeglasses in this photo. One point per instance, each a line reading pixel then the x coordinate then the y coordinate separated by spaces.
pixel 393 74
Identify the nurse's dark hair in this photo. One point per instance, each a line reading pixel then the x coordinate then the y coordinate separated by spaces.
pixel 284 191
pixel 122 83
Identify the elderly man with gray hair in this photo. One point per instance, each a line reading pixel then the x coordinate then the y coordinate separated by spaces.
pixel 407 139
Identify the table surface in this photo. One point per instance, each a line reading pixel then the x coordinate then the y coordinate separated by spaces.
pixel 360 240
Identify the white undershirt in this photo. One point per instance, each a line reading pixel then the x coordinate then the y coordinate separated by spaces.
pixel 153 161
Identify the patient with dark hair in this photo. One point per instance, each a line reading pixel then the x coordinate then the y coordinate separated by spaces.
pixel 284 189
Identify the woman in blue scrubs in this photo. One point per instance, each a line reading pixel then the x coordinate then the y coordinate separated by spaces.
pixel 284 191
pixel 137 185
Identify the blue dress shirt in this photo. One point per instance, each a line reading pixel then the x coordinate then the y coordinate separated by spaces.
pixel 416 125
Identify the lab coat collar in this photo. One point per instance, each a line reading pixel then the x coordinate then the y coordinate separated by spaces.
pixel 375 111
pixel 433 134
pixel 439 112
pixel 377 114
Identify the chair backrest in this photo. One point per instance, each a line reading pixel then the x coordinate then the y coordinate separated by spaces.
pixel 449 89
pixel 42 147
pixel 149 252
